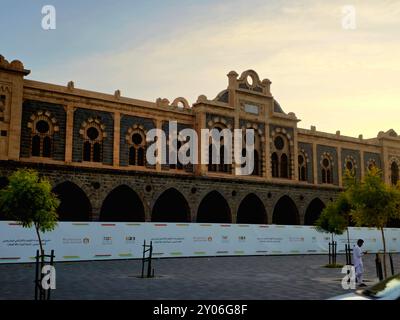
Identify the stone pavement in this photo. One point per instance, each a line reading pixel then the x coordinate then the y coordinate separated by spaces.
pixel 236 278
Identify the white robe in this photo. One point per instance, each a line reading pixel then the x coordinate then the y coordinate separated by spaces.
pixel 358 264
pixel 357 254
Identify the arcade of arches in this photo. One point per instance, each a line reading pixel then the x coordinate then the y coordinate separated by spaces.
pixel 123 204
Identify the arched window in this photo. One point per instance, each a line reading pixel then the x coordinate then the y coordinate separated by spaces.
pixel 275 165
pixel 47 147
pixel 394 172
pixel 211 166
pixel 371 164
pixel 137 148
pixel 222 165
pixel 302 163
pixel 326 170
pixel 284 166
pixel 350 165
pixel 93 134
pixel 257 169
pixel 178 164
pixel 36 146
pixel 280 158
pixel 42 127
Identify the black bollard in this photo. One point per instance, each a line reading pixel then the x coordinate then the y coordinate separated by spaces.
pixel 378 264
pixel 391 263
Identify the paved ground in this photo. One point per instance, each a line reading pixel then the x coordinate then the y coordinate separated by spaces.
pixel 236 278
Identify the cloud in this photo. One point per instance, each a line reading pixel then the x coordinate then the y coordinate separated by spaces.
pixel 331 77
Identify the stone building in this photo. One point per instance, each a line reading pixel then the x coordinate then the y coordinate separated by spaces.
pixel 92 147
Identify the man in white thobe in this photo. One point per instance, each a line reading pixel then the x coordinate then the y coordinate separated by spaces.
pixel 358 263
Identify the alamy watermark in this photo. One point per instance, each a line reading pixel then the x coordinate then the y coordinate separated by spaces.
pixel 49 18
pixel 349 21
pixel 349 280
pixel 225 148
pixel 49 277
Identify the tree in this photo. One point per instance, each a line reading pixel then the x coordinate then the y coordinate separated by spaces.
pixel 331 220
pixel 28 199
pixel 375 204
pixel 336 218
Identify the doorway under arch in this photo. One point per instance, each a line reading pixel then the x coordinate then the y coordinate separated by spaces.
pixel 251 210
pixel 171 206
pixel 122 204
pixel 214 209
pixel 313 212
pixel 285 212
pixel 74 203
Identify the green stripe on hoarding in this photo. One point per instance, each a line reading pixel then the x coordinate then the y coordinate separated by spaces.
pixel 133 224
pixel 176 253
pixel 182 225
pixel 239 252
pixel 244 225
pixel 294 251
pixel 80 224
pixel 205 225
pixel 199 252
pixel 126 255
pixel 279 226
pixel 158 253
pixel 71 257
pixel 276 251
pixel 222 252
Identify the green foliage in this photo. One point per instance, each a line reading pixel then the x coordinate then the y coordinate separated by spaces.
pixel 375 203
pixel 335 217
pixel 28 199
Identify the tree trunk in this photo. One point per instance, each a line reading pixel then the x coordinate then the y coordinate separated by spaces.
pixel 40 240
pixel 384 252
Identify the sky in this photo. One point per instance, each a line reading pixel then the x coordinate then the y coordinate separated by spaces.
pixel 330 75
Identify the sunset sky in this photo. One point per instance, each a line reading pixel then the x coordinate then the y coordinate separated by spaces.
pixel 331 77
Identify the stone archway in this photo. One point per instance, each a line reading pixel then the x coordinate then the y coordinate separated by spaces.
pixel 214 209
pixel 313 212
pixel 285 212
pixel 74 205
pixel 171 206
pixel 251 210
pixel 122 204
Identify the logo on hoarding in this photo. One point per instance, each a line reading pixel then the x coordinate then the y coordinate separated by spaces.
pixel 224 239
pixel 130 239
pixel 242 238
pixel 86 240
pixel 209 239
pixel 107 240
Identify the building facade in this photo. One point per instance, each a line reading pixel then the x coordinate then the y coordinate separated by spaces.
pixel 92 147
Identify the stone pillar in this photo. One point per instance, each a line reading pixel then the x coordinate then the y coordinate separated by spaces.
pixel 315 163
pixel 116 144
pixel 69 132
pixel 14 138
pixel 267 148
pixel 340 168
pixel 201 169
pixel 386 164
pixel 159 126
pixel 295 156
pixel 362 166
